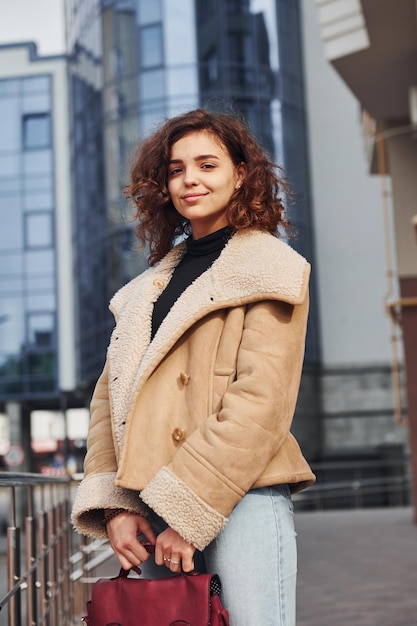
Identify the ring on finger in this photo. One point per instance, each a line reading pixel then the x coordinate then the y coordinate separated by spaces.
pixel 175 562
pixel 167 559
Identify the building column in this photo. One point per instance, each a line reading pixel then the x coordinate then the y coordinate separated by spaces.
pixel 402 163
pixel 408 289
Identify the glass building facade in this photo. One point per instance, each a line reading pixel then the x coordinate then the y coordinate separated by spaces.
pixel 28 295
pixel 137 62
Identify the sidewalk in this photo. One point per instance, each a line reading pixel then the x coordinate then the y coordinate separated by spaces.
pixel 357 568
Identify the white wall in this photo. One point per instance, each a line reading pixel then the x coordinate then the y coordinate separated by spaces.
pixel 348 216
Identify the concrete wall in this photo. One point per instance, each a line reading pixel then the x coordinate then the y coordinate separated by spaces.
pixel 348 219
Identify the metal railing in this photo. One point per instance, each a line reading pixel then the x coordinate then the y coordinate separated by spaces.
pixel 36 549
pixel 46 569
pixel 358 484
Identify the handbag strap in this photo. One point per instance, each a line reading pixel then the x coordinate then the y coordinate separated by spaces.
pixel 124 573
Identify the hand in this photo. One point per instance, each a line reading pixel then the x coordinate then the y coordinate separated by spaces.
pixel 123 532
pixel 176 550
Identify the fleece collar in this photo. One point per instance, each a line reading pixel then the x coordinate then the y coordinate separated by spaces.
pixel 253 266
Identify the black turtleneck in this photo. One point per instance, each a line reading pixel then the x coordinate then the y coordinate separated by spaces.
pixel 199 256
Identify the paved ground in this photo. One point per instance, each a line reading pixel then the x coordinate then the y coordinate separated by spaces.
pixel 357 568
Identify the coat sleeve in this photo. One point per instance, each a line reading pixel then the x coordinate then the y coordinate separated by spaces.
pixel 97 490
pixel 220 461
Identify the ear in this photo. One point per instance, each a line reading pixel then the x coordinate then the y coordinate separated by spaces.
pixel 241 174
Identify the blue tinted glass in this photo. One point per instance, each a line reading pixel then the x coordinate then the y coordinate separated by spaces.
pixel 152 85
pixel 9 164
pixel 36 84
pixel 11 286
pixel 10 225
pixel 11 325
pixel 38 199
pixel 36 131
pixel 151 46
pixel 37 183
pixel 149 11
pixel 38 230
pixel 41 297
pixel 37 162
pixel 41 262
pixel 40 329
pixel 9 186
pixel 9 87
pixel 9 125
pixel 36 103
pixel 11 265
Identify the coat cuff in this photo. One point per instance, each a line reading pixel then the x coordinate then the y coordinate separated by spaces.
pixel 191 517
pixel 96 493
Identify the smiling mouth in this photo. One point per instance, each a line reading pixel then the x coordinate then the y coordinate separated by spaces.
pixel 193 196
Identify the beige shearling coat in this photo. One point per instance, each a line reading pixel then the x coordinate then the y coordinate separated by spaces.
pixel 191 421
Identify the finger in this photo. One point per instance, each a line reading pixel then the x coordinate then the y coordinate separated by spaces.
pixel 167 561
pixel 159 555
pixel 127 561
pixel 175 563
pixel 187 563
pixel 131 553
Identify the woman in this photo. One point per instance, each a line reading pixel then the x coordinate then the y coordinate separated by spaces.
pixel 189 445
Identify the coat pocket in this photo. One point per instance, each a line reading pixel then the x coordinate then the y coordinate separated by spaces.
pixel 222 380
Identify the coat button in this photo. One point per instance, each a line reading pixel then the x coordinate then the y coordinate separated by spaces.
pixel 184 378
pixel 158 283
pixel 178 434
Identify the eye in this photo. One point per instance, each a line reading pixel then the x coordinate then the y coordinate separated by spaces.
pixel 207 166
pixel 174 172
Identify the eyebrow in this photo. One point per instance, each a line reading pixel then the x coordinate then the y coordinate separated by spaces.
pixel 201 157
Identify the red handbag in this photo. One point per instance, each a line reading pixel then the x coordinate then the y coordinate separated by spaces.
pixel 181 600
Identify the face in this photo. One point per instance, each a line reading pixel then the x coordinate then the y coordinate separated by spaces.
pixel 201 180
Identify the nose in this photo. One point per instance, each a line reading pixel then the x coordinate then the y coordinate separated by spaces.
pixel 190 177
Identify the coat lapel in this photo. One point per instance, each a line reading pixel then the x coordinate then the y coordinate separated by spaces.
pixel 253 266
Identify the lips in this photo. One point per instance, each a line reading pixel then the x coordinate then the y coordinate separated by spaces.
pixel 191 197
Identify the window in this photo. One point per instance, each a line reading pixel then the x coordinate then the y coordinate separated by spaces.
pixel 36 84
pixel 10 125
pixel 40 329
pixel 152 85
pixel 149 11
pixel 38 230
pixel 151 46
pixel 37 162
pixel 9 87
pixel 36 131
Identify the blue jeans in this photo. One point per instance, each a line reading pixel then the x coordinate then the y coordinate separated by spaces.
pixel 256 558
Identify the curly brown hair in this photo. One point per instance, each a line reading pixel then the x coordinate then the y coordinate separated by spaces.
pixel 256 204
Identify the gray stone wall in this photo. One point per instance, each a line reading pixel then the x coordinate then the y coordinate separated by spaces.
pixel 358 409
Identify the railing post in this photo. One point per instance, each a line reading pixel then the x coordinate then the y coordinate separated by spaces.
pixel 52 580
pixel 42 543
pixel 31 604
pixel 13 563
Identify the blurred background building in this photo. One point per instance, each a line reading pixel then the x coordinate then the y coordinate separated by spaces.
pixel 130 64
pixel 37 333
pixel 373 47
